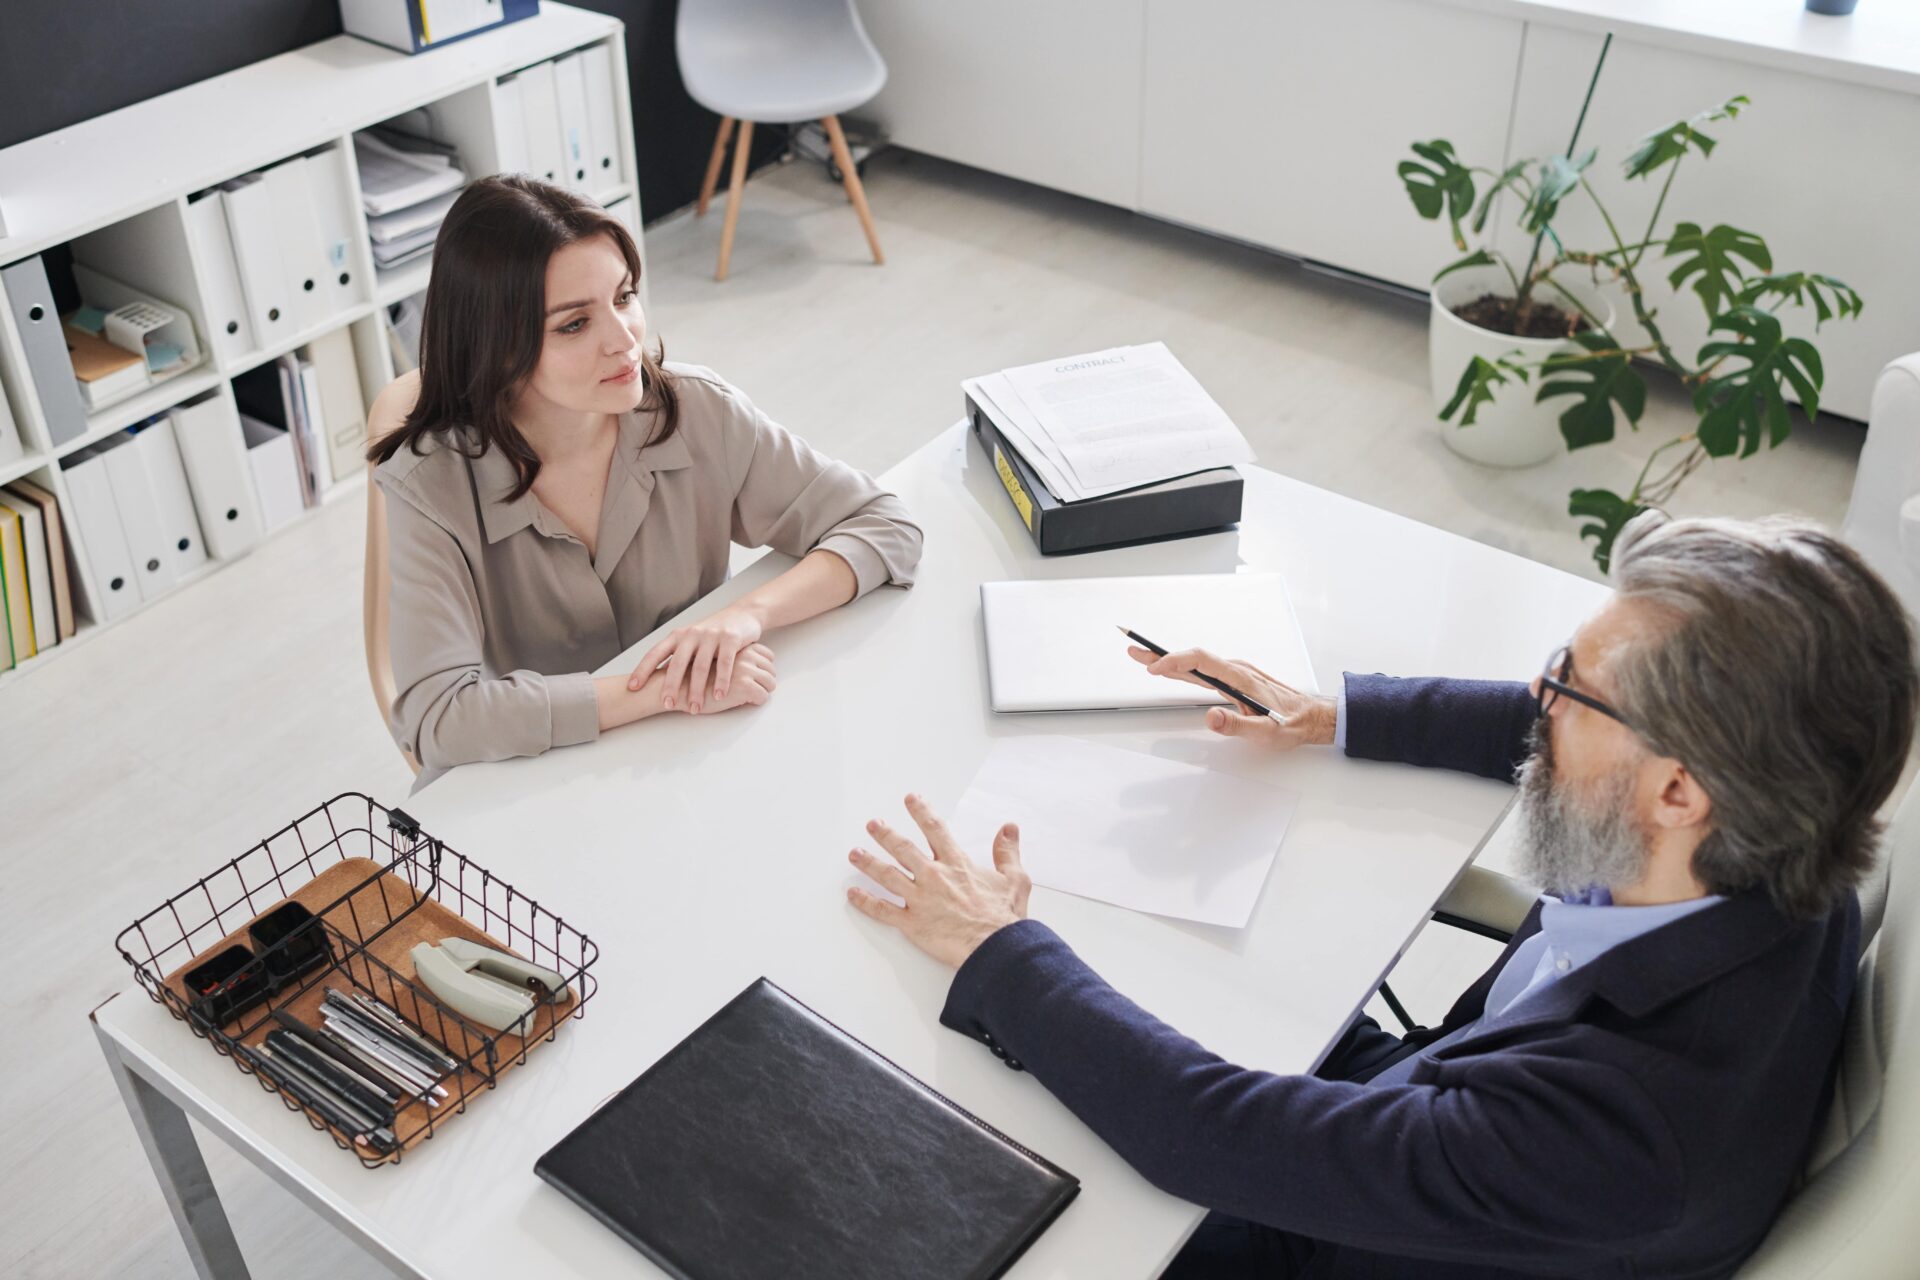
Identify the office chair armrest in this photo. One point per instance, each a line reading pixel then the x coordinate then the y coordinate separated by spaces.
pixel 1487 903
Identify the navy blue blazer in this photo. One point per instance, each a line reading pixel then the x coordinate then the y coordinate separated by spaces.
pixel 1646 1116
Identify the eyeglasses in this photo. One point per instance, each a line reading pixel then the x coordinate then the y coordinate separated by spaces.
pixel 1554 686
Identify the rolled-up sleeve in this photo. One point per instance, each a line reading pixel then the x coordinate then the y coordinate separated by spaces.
pixel 445 710
pixel 795 499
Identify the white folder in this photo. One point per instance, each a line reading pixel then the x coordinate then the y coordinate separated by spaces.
pixel 153 564
pixel 303 260
pixel 603 169
pixel 215 460
pixel 313 419
pixel 343 406
pixel 248 202
pixel 167 478
pixel 509 126
pixel 540 107
pixel 231 332
pixel 339 231
pixel 276 473
pixel 33 538
pixel 102 542
pixel 576 146
pixel 1052 643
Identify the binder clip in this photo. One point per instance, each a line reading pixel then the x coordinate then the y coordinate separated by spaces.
pixel 484 984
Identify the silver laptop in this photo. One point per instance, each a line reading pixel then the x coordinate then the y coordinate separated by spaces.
pixel 1053 646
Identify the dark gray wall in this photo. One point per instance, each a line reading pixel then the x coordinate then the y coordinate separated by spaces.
pixel 63 61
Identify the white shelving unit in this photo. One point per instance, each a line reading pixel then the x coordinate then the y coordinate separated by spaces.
pixel 116 188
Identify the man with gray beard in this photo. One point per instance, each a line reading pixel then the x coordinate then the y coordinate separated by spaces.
pixel 1631 1089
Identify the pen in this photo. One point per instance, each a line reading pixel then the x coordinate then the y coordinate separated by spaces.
pixel 1221 685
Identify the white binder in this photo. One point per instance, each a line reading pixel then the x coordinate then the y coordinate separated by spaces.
pixel 509 126
pixel 230 331
pixel 540 108
pixel 339 232
pixel 33 540
pixel 603 128
pixel 303 262
pixel 313 420
pixel 215 460
pixel 343 406
pixel 152 554
pixel 276 472
pixel 102 542
pixel 576 147
pixel 30 298
pixel 167 479
pixel 256 253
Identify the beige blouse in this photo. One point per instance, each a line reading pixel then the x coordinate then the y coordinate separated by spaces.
pixel 499 616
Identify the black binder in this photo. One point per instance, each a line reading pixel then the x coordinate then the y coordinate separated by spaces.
pixel 1199 503
pixel 769 1143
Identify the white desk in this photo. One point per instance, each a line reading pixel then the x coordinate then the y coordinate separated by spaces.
pixel 701 854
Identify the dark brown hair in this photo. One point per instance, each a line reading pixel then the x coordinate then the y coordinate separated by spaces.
pixel 485 318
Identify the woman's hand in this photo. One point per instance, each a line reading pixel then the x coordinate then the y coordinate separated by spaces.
pixel 953 904
pixel 700 661
pixel 1310 718
pixel 752 683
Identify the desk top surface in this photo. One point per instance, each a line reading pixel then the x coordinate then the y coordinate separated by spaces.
pixel 702 853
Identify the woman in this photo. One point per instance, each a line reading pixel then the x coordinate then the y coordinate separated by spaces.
pixel 554 492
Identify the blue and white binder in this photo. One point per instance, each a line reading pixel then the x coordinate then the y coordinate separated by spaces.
pixel 413 26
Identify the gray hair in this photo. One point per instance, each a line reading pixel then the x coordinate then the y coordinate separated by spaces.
pixel 1782 676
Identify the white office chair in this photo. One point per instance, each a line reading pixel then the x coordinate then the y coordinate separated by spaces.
pixel 776 62
pixel 1855 1214
pixel 1883 519
pixel 375 588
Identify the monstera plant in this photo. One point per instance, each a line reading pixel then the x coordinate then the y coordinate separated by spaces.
pixel 1738 379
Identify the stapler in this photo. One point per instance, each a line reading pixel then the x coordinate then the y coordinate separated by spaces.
pixel 482 983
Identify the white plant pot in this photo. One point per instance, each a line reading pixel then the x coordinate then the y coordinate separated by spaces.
pixel 1513 431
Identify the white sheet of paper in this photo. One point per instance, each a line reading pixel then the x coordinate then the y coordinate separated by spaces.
pixel 1135 830
pixel 1126 416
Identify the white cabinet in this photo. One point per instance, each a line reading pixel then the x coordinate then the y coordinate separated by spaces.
pixel 1280 123
pixel 1045 90
pixel 1824 170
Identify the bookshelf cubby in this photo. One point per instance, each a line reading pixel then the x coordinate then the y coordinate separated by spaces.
pixel 113 193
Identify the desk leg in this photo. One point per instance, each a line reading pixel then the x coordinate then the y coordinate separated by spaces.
pixel 182 1173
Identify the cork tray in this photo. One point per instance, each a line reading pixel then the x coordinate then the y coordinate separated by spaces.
pixel 357 899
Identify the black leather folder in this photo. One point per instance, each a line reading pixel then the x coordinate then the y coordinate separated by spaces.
pixel 769 1143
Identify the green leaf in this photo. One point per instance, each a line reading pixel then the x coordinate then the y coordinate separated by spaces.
pixel 1746 405
pixel 1477 384
pixel 1664 146
pixel 1442 184
pixel 1609 513
pixel 1711 255
pixel 1558 176
pixel 1514 175
pixel 1827 296
pixel 1478 258
pixel 1599 376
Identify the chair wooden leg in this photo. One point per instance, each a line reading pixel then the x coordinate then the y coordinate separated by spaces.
pixel 850 177
pixel 734 191
pixel 713 164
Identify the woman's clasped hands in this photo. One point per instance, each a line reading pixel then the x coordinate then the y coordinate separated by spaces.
pixel 712 665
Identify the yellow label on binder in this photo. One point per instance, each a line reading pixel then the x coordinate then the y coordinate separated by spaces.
pixel 1021 502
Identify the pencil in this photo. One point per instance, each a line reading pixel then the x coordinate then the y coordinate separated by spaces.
pixel 1221 685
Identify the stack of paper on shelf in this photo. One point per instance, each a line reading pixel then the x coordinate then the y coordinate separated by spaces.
pixel 1108 421
pixel 407 184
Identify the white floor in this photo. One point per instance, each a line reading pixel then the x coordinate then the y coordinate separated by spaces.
pixel 168 745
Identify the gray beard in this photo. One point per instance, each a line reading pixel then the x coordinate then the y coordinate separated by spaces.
pixel 1575 836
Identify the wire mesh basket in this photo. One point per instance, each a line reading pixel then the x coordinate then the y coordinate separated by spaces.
pixel 369 885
